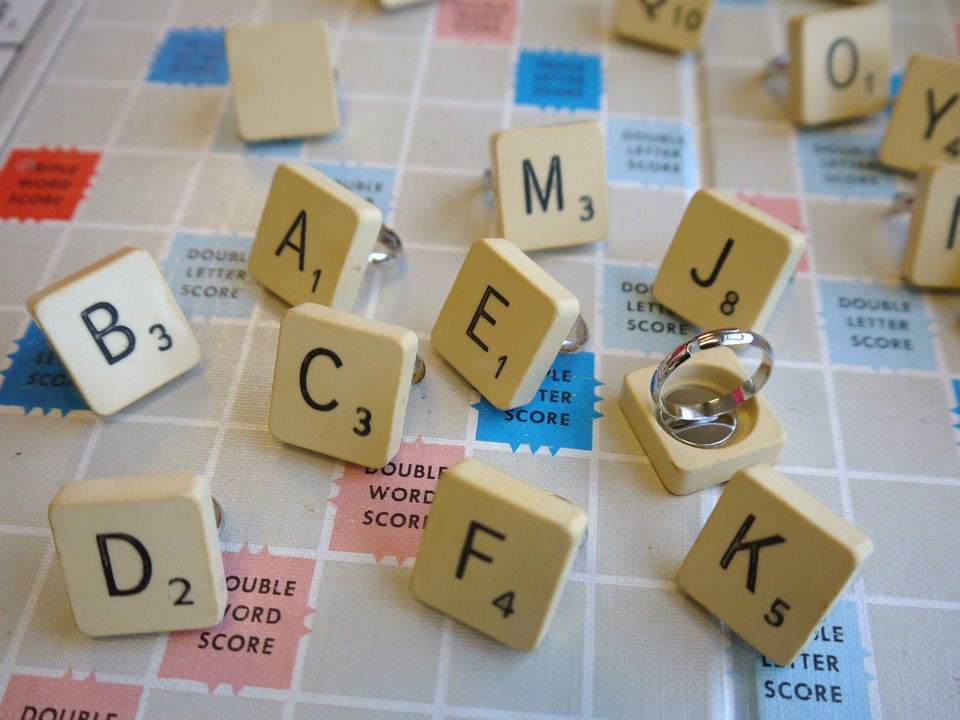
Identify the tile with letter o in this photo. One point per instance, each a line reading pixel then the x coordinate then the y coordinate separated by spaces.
pixel 931 257
pixel 671 25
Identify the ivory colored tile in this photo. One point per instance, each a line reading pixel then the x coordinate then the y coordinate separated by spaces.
pixel 924 126
pixel 314 238
pixel 140 554
pixel 117 328
pixel 839 64
pixel 728 264
pixel 497 552
pixel 341 384
pixel 673 25
pixel 282 80
pixel 931 257
pixel 551 185
pixel 682 468
pixel 503 322
pixel 771 561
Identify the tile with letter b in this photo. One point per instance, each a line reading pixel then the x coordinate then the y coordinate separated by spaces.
pixel 140 554
pixel 839 64
pixel 931 257
pixel 314 238
pixel 551 185
pixel 672 25
pixel 728 264
pixel 771 561
pixel 341 384
pixel 497 552
pixel 503 323
pixel 117 329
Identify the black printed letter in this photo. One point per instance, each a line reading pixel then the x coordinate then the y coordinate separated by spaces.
pixel 112 588
pixel 112 327
pixel 754 547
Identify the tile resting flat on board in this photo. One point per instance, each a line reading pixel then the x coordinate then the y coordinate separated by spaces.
pixel 672 25
pixel 931 256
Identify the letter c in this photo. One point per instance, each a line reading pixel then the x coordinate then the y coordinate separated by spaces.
pixel 305 368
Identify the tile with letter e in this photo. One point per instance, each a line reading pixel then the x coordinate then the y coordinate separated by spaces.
pixel 140 554
pixel 728 264
pixel 282 79
pixel 503 323
pixel 551 185
pixel 341 384
pixel 771 561
pixel 314 238
pixel 931 257
pixel 117 329
pixel 672 25
pixel 497 552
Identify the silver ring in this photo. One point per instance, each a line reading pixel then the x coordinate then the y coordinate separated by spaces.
pixel 903 202
pixel 390 247
pixel 777 65
pixel 419 370
pixel 217 514
pixel 577 337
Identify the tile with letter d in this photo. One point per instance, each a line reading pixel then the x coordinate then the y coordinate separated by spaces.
pixel 672 25
pixel 497 552
pixel 503 323
pixel 931 257
pixel 341 384
pixel 551 185
pixel 314 238
pixel 140 554
pixel 728 263
pixel 771 561
pixel 117 329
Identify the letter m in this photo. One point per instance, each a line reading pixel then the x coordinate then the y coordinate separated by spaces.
pixel 531 185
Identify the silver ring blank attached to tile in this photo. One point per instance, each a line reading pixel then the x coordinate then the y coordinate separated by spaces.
pixel 577 337
pixel 217 514
pixel 419 370
pixel 903 202
pixel 387 248
pixel 777 66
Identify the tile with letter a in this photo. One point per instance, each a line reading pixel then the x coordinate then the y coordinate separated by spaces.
pixel 924 126
pixel 551 185
pixel 503 323
pixel 282 79
pixel 117 329
pixel 931 257
pixel 672 25
pixel 341 384
pixel 314 238
pixel 771 561
pixel 839 64
pixel 497 552
pixel 728 263
pixel 140 554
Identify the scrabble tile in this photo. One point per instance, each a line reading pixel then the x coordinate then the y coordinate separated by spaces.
pixel 497 552
pixel 341 384
pixel 551 185
pixel 140 554
pixel 117 329
pixel 683 468
pixel 503 323
pixel 839 64
pixel 282 79
pixel 314 238
pixel 728 263
pixel 672 25
pixel 931 257
pixel 924 126
pixel 771 561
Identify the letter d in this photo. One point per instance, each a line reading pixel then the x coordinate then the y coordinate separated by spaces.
pixel 147 571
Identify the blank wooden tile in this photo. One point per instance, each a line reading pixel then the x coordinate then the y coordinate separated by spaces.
pixel 551 185
pixel 117 329
pixel 682 468
pixel 314 238
pixel 503 323
pixel 140 554
pixel 282 79
pixel 931 257
pixel 728 264
pixel 924 126
pixel 341 384
pixel 839 64
pixel 771 561
pixel 672 25
pixel 496 553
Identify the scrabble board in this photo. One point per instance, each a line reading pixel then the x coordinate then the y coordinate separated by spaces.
pixel 117 129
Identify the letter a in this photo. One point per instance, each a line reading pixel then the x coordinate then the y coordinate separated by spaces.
pixel 112 327
pixel 301 249
pixel 147 571
pixel 754 547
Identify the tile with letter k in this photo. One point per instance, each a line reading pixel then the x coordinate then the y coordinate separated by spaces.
pixel 931 256
pixel 669 24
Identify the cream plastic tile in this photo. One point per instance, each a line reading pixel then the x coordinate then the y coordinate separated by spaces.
pixel 503 323
pixel 341 384
pixel 282 80
pixel 117 329
pixel 839 64
pixel 924 126
pixel 682 468
pixel 771 561
pixel 670 24
pixel 140 554
pixel 497 552
pixel 728 263
pixel 314 238
pixel 931 257
pixel 551 185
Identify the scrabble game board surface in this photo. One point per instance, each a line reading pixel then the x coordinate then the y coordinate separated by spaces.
pixel 117 128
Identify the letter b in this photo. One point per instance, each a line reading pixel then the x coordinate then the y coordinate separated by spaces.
pixel 111 327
